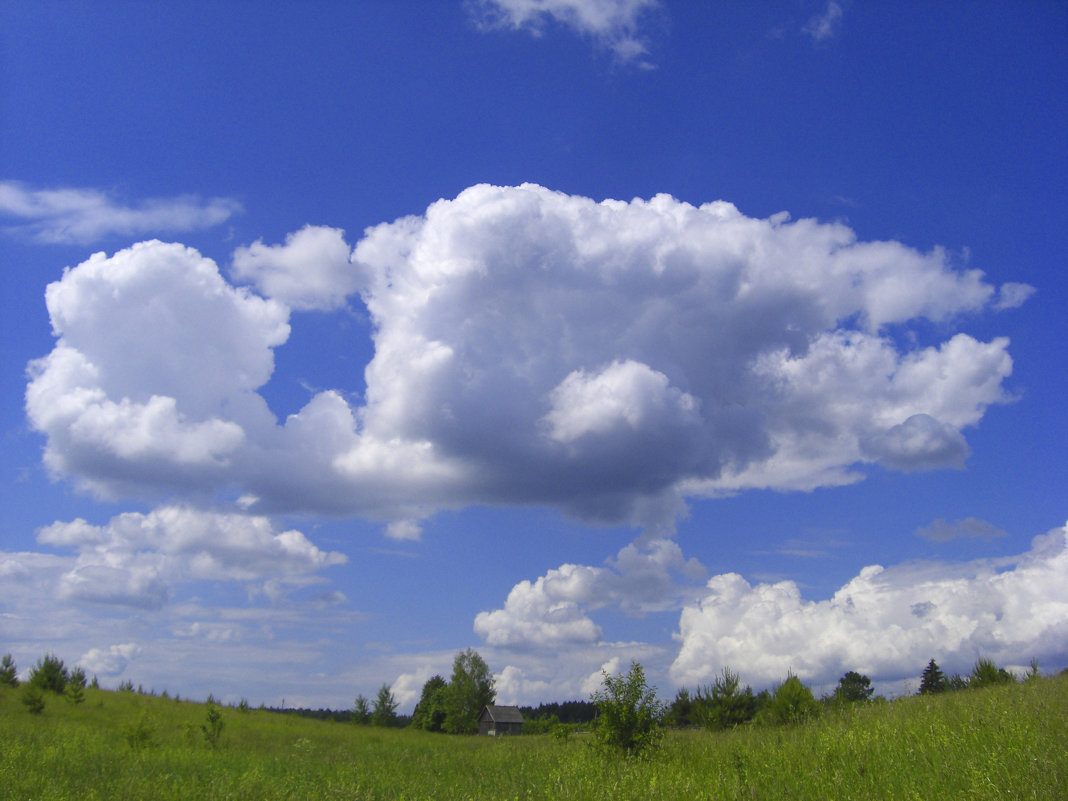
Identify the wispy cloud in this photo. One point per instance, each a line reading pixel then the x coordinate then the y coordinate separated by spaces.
pixel 824 26
pixel 82 215
pixel 968 528
pixel 615 24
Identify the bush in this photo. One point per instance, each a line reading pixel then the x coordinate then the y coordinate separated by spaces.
pixel 629 716
pixel 724 705
pixel 792 702
pixel 212 730
pixel 987 674
pixel 139 735
pixel 33 698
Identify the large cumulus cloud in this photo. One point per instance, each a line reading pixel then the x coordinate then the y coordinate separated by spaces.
pixel 609 359
pixel 886 623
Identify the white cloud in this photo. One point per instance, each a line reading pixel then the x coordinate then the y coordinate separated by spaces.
pixel 80 216
pixel 886 623
pixel 824 26
pixel 136 558
pixel 109 662
pixel 1012 295
pixel 970 527
pixel 615 24
pixel 551 612
pixel 310 271
pixel 608 359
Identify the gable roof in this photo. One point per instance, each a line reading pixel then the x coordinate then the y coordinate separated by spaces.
pixel 502 714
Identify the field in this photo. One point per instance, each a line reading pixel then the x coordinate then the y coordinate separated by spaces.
pixel 1008 742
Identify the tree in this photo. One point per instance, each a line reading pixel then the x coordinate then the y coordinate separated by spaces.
pixel 385 709
pixel 470 689
pixel 361 711
pixel 630 718
pixel 933 680
pixel 724 705
pixel 682 711
pixel 76 686
pixel 430 712
pixel 853 687
pixel 792 702
pixel 987 674
pixel 33 698
pixel 8 672
pixel 49 674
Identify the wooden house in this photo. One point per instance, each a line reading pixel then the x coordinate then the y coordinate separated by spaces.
pixel 496 720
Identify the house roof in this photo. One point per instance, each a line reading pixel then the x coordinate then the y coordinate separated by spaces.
pixel 502 714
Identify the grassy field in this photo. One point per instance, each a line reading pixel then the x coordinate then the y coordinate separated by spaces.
pixel 1008 742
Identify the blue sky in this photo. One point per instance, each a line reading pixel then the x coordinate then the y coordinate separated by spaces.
pixel 340 337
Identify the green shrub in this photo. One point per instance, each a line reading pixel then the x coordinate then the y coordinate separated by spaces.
pixel 33 699
pixel 213 728
pixel 725 705
pixel 792 702
pixel 987 674
pixel 629 716
pixel 139 735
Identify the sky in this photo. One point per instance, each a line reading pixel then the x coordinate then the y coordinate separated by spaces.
pixel 340 337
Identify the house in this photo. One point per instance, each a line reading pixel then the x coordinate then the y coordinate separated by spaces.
pixel 496 720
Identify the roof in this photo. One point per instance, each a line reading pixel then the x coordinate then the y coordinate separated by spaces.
pixel 502 714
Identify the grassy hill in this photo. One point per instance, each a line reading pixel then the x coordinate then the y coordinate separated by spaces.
pixel 999 743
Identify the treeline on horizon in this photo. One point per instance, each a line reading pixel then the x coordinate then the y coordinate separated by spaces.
pixel 454 706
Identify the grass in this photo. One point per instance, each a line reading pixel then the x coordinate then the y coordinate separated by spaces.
pixel 1007 742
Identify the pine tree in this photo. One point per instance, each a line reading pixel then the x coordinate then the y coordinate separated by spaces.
pixel 933 680
pixel 8 672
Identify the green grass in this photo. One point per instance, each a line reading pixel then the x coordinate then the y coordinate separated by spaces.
pixel 1007 742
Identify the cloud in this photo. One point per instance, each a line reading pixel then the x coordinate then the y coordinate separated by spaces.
pixel 72 215
pixel 945 530
pixel 1012 295
pixel 920 443
pixel 109 662
pixel 824 26
pixel 609 359
pixel 310 271
pixel 885 623
pixel 136 558
pixel 615 24
pixel 551 612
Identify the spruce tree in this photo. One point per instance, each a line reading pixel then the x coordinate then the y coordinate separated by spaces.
pixel 933 680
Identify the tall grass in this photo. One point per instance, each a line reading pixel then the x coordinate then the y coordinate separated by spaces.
pixel 998 743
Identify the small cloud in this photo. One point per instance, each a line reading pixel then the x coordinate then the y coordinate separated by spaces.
pixel 79 215
pixel 824 26
pixel 614 24
pixel 968 528
pixel 919 443
pixel 110 661
pixel 404 530
pixel 1012 294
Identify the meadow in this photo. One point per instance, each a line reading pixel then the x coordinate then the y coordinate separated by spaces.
pixel 1005 742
